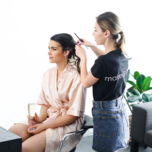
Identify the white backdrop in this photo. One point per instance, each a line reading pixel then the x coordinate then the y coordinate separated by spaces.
pixel 25 30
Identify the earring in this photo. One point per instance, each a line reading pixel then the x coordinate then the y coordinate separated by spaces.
pixel 65 55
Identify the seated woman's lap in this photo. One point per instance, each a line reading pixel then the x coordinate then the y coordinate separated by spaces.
pixel 30 142
pixel 20 130
pixel 35 143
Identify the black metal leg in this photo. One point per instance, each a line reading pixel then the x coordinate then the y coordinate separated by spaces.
pixel 134 146
pixel 73 150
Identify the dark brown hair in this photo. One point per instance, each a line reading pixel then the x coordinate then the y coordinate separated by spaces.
pixel 67 43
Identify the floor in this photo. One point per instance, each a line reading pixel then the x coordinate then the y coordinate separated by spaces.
pixel 85 145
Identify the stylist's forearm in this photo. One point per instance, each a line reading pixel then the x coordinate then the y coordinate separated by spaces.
pixel 83 69
pixel 97 50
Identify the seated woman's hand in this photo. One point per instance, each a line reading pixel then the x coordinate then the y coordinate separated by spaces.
pixel 36 128
pixel 33 120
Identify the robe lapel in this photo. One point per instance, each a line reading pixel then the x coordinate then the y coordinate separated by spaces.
pixel 57 99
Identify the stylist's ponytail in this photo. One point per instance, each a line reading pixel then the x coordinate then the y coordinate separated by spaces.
pixel 120 41
pixel 110 21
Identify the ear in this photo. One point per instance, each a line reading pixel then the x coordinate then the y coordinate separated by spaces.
pixel 107 33
pixel 66 52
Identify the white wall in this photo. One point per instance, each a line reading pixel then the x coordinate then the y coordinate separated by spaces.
pixel 25 30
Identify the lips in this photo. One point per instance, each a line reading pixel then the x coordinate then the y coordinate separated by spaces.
pixel 51 57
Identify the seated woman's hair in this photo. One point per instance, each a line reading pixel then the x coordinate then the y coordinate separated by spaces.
pixel 67 43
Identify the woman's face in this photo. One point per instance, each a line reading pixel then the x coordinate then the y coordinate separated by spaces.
pixel 55 53
pixel 99 35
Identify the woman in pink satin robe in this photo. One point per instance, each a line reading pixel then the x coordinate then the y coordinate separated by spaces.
pixel 62 98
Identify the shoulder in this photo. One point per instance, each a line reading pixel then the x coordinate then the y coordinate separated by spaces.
pixel 74 74
pixel 100 61
pixel 74 71
pixel 49 71
pixel 101 58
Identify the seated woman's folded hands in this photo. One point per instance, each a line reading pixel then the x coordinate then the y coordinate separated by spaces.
pixel 36 128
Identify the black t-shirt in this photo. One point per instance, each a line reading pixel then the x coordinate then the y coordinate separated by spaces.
pixel 111 69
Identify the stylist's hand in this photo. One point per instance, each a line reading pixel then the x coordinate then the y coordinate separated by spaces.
pixel 85 42
pixel 34 120
pixel 80 52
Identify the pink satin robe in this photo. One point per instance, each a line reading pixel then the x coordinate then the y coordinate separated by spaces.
pixel 65 96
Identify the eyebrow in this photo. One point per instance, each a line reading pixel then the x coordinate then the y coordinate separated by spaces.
pixel 52 47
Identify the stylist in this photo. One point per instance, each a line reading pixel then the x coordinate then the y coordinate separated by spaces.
pixel 108 77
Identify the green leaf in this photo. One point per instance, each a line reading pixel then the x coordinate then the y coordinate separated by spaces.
pixel 128 74
pixel 146 83
pixel 140 80
pixel 146 97
pixel 134 91
pixel 136 74
pixel 132 83
pixel 138 89
pixel 140 99
pixel 133 98
pixel 149 88
pixel 132 75
pixel 127 94
pixel 129 58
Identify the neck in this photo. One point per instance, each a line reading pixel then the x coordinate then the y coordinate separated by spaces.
pixel 109 46
pixel 61 65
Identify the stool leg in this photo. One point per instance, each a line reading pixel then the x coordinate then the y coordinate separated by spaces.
pixel 134 146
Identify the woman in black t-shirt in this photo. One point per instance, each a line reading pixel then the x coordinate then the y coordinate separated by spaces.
pixel 108 77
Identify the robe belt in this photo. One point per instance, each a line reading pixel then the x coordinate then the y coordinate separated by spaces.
pixel 59 111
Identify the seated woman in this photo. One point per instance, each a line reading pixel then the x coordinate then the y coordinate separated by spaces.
pixel 62 100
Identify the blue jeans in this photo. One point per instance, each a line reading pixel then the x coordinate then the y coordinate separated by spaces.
pixel 111 125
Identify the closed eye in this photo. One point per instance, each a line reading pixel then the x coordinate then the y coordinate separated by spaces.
pixel 53 48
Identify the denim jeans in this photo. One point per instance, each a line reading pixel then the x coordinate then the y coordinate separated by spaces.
pixel 111 125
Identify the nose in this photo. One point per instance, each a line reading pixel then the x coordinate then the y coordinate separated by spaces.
pixel 49 52
pixel 93 33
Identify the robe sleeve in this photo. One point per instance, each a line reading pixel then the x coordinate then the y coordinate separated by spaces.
pixel 77 97
pixel 42 98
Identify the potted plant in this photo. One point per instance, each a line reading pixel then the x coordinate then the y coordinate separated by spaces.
pixel 136 94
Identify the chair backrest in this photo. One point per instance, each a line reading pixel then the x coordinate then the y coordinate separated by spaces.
pixel 88 122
